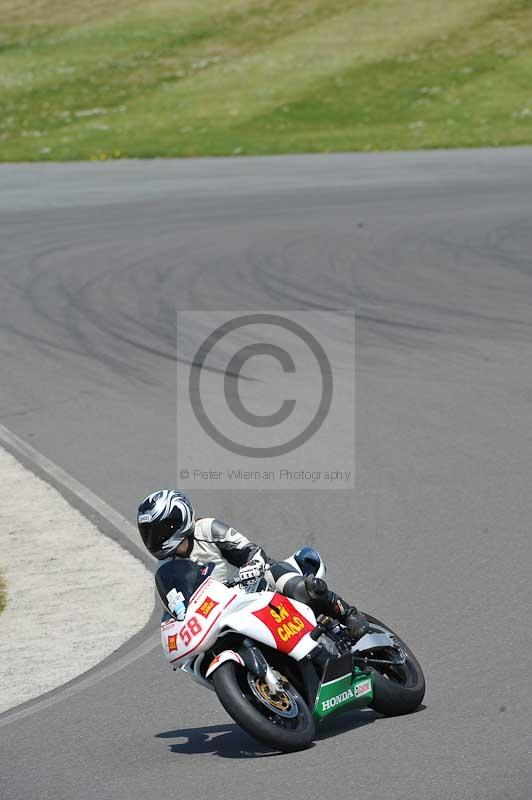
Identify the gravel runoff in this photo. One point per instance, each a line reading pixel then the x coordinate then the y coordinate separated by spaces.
pixel 67 588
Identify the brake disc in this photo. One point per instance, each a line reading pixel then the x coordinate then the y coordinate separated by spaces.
pixel 282 703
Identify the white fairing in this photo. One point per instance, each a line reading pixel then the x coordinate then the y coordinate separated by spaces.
pixel 227 655
pixel 267 617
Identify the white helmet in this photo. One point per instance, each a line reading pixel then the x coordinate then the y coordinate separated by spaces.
pixel 164 519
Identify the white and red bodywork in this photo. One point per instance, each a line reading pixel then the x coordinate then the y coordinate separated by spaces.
pixel 267 617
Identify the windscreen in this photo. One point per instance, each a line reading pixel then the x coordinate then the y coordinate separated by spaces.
pixel 181 574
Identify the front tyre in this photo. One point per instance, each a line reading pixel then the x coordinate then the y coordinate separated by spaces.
pixel 283 722
pixel 397 688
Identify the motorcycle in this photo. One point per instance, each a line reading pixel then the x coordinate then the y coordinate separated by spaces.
pixel 276 668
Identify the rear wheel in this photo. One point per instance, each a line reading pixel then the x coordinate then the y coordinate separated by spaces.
pixel 399 685
pixel 282 721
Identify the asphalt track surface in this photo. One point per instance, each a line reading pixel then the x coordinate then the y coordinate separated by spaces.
pixel 433 252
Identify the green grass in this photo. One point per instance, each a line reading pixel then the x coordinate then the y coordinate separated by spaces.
pixel 167 78
pixel 3 594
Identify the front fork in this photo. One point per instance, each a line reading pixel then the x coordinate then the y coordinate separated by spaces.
pixel 341 684
pixel 257 664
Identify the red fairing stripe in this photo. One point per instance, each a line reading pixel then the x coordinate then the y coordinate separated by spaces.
pixel 284 622
pixel 206 632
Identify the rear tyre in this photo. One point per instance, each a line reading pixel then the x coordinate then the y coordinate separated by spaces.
pixel 284 723
pixel 398 688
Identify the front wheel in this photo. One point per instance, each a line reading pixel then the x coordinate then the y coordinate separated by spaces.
pixel 398 687
pixel 282 721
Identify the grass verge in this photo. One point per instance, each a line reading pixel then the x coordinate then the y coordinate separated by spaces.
pixel 3 594
pixel 254 77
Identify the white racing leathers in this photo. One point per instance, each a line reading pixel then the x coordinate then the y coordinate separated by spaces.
pixel 228 549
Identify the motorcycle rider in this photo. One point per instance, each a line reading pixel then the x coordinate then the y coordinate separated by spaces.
pixel 169 529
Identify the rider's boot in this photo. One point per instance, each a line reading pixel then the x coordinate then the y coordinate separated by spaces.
pixel 327 602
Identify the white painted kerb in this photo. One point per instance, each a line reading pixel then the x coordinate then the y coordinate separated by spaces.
pixel 74 596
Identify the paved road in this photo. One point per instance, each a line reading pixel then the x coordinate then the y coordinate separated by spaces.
pixel 433 252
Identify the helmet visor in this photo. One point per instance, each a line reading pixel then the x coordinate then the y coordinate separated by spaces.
pixel 161 538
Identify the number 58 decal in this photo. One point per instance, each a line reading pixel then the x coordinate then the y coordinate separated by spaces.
pixel 192 628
